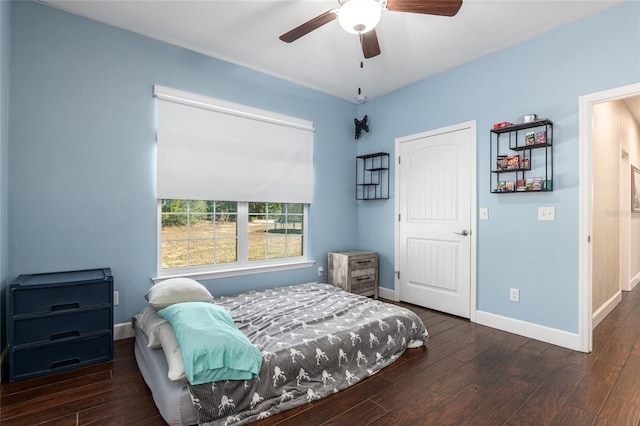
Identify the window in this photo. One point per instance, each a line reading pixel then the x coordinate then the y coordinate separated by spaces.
pixel 211 150
pixel 200 233
pixel 275 231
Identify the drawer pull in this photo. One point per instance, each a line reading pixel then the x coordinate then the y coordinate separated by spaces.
pixel 64 306
pixel 65 362
pixel 72 333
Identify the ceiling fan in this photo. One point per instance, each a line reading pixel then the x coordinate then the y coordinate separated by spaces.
pixel 361 17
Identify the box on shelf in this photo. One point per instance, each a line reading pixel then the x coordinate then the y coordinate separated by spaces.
pixel 530 138
pixel 524 163
pixel 502 124
pixel 534 184
pixel 501 162
pixel 513 162
pixel 541 137
pixel 505 186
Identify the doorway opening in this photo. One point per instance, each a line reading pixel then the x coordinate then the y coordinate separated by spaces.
pixel 587 105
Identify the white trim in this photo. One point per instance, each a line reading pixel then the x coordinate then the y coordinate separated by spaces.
pixel 123 331
pixel 634 281
pixel 530 330
pixel 226 107
pixel 396 231
pixel 585 204
pixel 235 269
pixel 234 272
pixel 473 207
pixel 625 220
pixel 474 225
pixel 388 293
pixel 585 223
pixel 604 310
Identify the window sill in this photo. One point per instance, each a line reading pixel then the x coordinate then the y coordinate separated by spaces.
pixel 234 272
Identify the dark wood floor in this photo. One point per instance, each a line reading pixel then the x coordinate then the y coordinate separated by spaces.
pixel 467 375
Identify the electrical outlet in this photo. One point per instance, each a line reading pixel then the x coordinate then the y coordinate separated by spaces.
pixel 321 271
pixel 514 294
pixel 116 298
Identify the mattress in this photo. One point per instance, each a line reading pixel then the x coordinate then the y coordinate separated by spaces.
pixel 171 398
pixel 315 339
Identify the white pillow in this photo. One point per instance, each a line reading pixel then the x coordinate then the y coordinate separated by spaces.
pixel 149 322
pixel 177 290
pixel 171 351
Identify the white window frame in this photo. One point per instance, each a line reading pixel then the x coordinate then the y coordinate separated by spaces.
pixel 242 266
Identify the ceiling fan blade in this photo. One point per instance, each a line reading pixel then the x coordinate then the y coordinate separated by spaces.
pixel 369 42
pixel 309 26
pixel 428 7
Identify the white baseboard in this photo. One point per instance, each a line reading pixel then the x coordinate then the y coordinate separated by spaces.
pixel 606 308
pixel 522 328
pixel 387 293
pixel 634 281
pixel 123 331
pixel 527 329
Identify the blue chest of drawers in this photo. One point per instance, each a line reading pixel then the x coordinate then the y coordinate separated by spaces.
pixel 59 321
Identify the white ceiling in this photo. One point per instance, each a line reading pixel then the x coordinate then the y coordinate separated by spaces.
pixel 413 46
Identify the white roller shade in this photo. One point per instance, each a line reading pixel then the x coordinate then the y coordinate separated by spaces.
pixel 210 149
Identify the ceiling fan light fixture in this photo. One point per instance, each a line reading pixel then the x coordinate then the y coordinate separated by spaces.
pixel 359 16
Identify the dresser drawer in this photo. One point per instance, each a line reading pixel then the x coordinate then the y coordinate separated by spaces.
pixel 60 325
pixel 35 360
pixel 363 263
pixel 51 298
pixel 364 285
pixel 357 273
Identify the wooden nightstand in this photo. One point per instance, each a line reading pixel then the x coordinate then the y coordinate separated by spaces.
pixel 355 271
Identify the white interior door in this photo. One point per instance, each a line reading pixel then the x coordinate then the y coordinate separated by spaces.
pixel 435 184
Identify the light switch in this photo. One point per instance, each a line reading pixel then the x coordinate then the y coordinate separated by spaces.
pixel 484 213
pixel 546 213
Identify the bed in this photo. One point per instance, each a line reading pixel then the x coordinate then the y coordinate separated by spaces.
pixel 314 339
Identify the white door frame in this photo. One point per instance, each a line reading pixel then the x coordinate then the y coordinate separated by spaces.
pixel 585 202
pixel 625 220
pixel 473 206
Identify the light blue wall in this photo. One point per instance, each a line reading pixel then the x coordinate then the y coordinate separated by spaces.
pixel 82 141
pixel 4 142
pixel 544 76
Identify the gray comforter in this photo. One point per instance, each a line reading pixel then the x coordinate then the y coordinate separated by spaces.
pixel 315 340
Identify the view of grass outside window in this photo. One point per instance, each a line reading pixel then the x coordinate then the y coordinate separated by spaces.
pixel 198 232
pixel 275 230
pixel 201 232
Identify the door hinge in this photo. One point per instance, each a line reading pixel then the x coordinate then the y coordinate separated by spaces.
pixel 398 159
pixel 588 238
pixel 398 274
pixel 398 217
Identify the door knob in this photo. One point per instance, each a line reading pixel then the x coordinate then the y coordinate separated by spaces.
pixel 464 233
